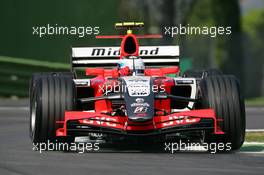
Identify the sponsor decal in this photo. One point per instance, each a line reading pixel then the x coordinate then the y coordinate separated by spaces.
pixel 136 81
pixel 141 115
pixel 139 103
pixel 138 87
pixel 107 121
pixel 139 100
pixel 116 51
pixel 139 91
pixel 184 81
pixel 140 109
pixel 176 120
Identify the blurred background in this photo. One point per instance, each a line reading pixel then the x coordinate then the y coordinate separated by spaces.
pixel 241 53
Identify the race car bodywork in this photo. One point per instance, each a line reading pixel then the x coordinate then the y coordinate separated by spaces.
pixel 151 104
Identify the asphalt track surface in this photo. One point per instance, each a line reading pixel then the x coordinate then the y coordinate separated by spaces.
pixel 17 157
pixel 255 117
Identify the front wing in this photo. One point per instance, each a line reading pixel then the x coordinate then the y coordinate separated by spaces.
pixel 81 123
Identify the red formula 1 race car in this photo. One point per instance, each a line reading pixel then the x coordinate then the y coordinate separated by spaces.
pixel 127 94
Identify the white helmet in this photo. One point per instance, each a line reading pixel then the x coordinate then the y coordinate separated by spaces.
pixel 135 64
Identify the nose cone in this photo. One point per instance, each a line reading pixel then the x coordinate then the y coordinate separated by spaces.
pixel 139 98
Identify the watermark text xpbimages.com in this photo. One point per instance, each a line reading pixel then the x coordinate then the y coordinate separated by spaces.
pixel 79 31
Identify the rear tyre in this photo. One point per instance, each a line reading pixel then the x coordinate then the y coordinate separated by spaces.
pixel 201 73
pixel 222 93
pixel 50 96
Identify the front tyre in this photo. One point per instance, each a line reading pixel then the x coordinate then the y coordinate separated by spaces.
pixel 222 93
pixel 51 95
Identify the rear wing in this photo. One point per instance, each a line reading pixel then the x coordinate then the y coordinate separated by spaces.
pixel 153 56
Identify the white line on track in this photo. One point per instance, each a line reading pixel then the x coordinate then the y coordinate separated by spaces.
pixel 254 130
pixel 253 152
pixel 254 143
pixel 14 108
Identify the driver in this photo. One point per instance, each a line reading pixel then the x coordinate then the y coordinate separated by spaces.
pixel 131 65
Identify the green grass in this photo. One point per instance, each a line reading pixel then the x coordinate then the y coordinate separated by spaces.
pixel 30 62
pixel 16 72
pixel 252 148
pixel 255 137
pixel 259 101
